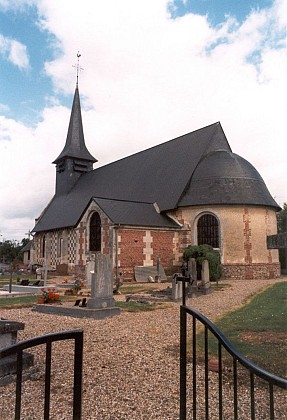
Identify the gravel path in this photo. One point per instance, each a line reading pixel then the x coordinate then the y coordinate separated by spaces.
pixel 130 363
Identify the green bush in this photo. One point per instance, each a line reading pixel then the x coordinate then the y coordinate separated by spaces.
pixel 205 252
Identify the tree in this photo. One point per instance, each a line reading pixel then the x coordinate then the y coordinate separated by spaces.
pixel 282 219
pixel 11 250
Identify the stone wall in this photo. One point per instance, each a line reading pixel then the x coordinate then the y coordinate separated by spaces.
pixel 251 271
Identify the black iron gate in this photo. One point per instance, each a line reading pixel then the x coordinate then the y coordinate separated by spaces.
pixel 47 340
pixel 253 372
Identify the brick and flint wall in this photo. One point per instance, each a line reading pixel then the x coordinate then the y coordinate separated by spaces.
pixel 143 247
pixel 243 248
pixel 243 235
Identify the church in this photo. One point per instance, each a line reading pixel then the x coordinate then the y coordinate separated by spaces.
pixel 150 206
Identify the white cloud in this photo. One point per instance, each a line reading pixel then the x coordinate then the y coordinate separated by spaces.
pixel 4 108
pixel 148 79
pixel 15 52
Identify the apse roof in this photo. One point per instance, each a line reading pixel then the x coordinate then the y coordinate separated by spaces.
pixel 223 177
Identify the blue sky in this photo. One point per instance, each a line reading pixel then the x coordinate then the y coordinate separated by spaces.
pixel 25 87
pixel 25 90
pixel 152 71
pixel 217 10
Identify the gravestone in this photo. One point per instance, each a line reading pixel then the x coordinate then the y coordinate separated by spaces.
pixel 192 288
pixel 176 293
pixel 142 273
pixel 8 337
pixel 205 281
pixel 102 284
pixel 100 305
pixel 192 268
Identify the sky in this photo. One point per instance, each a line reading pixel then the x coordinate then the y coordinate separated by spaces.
pixel 151 71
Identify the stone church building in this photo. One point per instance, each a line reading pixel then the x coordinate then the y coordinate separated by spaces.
pixel 189 190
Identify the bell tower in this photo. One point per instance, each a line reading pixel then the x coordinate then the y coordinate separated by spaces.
pixel 75 159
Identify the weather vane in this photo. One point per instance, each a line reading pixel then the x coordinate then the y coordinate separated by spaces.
pixel 77 66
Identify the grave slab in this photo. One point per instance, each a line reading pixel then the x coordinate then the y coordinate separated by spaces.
pixel 142 273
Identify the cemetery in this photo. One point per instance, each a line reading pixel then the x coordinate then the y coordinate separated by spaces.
pixel 131 359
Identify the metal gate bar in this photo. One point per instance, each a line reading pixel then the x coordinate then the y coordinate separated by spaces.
pixel 254 371
pixel 48 339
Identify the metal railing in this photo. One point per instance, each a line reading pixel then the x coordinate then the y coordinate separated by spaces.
pixel 47 340
pixel 238 360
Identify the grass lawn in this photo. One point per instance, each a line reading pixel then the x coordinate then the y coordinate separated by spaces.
pixel 17 301
pixel 133 289
pixel 4 279
pixel 259 329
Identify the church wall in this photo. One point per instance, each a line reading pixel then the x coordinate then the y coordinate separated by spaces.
pixel 243 248
pixel 142 247
pixel 163 244
pixel 243 235
pixel 130 251
pixel 55 248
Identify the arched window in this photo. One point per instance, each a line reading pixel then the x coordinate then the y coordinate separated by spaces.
pixel 208 231
pixel 95 232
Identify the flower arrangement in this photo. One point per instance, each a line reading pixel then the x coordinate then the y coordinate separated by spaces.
pixel 50 296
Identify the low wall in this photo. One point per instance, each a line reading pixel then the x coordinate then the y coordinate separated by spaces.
pixel 251 271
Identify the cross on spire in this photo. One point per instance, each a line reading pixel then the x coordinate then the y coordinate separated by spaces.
pixel 78 67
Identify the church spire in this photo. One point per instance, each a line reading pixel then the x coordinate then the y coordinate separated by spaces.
pixel 75 146
pixel 75 159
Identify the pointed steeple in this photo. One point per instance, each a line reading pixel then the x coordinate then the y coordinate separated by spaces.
pixel 75 146
pixel 75 159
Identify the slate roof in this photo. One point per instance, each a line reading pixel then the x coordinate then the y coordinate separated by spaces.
pixel 134 213
pixel 198 168
pixel 222 177
pixel 75 146
pixel 159 174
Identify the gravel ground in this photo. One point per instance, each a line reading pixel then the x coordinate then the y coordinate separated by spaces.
pixel 131 368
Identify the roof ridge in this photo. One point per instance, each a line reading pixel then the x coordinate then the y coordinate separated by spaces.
pixel 124 201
